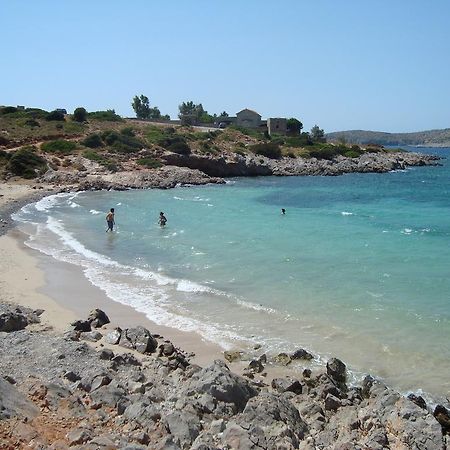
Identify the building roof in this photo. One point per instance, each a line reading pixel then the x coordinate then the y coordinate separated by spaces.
pixel 249 110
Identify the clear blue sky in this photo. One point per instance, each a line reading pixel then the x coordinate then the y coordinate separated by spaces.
pixel 343 64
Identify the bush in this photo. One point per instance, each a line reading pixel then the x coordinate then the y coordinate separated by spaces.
pixel 26 163
pixel 60 146
pixel 180 147
pixel 4 141
pixel 269 150
pixel 8 110
pixel 80 115
pixel 92 155
pixel 31 123
pixel 93 141
pixel 127 131
pixel 105 116
pixel 155 134
pixel 122 143
pixel 327 152
pixel 57 116
pixel 150 163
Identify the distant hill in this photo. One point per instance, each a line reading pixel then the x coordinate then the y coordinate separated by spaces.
pixel 430 138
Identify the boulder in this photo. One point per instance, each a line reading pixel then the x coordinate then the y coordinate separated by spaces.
pixel 232 356
pixel 12 321
pixel 287 385
pixel 256 365
pixel 139 339
pixel 92 336
pixel 184 426
pixel 442 415
pixel 225 386
pixel 302 354
pixel 113 337
pixel 14 404
pixel 418 400
pixel 98 318
pixel 81 325
pixel 337 370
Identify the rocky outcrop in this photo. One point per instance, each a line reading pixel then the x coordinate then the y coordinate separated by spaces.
pixel 58 392
pixel 14 318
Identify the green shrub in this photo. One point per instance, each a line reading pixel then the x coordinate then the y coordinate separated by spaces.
pixel 269 150
pixel 93 141
pixel 4 141
pixel 80 115
pixel 254 132
pixel 239 152
pixel 327 152
pixel 122 143
pixel 92 155
pixel 8 110
pixel 298 141
pixel 155 134
pixel 105 116
pixel 150 163
pixel 4 155
pixel 57 116
pixel 179 147
pixel 60 146
pixel 127 131
pixel 31 123
pixel 26 163
pixel 352 154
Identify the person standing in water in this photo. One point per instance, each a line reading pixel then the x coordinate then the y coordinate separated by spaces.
pixel 110 220
pixel 283 211
pixel 162 219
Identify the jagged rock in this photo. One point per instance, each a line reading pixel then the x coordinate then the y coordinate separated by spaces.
pixel 108 395
pixel 106 354
pixel 101 380
pixel 283 359
pixel 139 339
pixel 442 415
pixel 12 321
pixel 306 373
pixel 332 403
pixel 287 385
pixel 142 412
pixel 79 436
pixel 166 349
pixel 71 376
pixel 184 427
pixel 113 337
pixel 225 386
pixel 256 366
pixel 302 354
pixel 418 400
pixel 337 370
pixel 98 318
pixel 13 403
pixel 232 356
pixel 81 325
pixel 92 336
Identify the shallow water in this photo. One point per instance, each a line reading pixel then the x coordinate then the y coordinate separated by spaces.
pixel 357 268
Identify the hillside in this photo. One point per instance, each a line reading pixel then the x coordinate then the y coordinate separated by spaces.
pixel 430 138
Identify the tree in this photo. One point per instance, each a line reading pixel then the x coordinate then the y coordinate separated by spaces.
pixel 294 126
pixel 223 114
pixel 191 114
pixel 80 115
pixel 317 134
pixel 141 106
pixel 55 116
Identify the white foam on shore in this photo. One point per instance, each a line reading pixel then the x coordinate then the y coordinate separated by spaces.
pixel 346 213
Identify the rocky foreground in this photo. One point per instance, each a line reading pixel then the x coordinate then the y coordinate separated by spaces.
pixel 98 387
pixel 198 169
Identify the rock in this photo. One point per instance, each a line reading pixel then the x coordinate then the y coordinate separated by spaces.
pixel 113 337
pixel 72 335
pixel 142 412
pixel 79 436
pixel 442 415
pixel 139 339
pixel 287 385
pixel 12 321
pixel 232 356
pixel 184 427
pixel 332 403
pixel 106 354
pixel 225 386
pixel 108 395
pixel 302 354
pixel 101 380
pixel 418 400
pixel 337 370
pixel 14 404
pixel 256 366
pixel 306 373
pixel 71 376
pixel 92 336
pixel 81 325
pixel 166 349
pixel 98 318
pixel 283 359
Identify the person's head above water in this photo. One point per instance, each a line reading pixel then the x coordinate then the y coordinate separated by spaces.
pixel 112 210
pixel 283 211
pixel 161 213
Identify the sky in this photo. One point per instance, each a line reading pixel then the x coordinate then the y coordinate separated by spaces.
pixel 342 64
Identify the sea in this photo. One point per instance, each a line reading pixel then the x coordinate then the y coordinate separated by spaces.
pixel 358 267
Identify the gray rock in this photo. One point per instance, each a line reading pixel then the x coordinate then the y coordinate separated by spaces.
pixel 283 359
pixel 139 339
pixel 109 395
pixel 14 404
pixel 442 415
pixel 106 354
pixel 98 318
pixel 337 370
pixel 302 354
pixel 332 403
pixel 12 321
pixel 79 436
pixel 92 336
pixel 81 325
pixel 184 427
pixel 101 380
pixel 287 385
pixel 225 386
pixel 256 366
pixel 113 337
pixel 166 349
pixel 418 400
pixel 71 376
pixel 142 412
pixel 232 355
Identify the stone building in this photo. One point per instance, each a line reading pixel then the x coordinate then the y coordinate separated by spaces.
pixel 248 119
pixel 277 125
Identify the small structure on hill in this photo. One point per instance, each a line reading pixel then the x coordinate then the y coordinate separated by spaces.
pixel 248 118
pixel 276 125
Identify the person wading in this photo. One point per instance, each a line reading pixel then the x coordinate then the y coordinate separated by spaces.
pixel 110 220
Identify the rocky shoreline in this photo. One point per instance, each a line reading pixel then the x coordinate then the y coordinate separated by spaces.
pixel 197 169
pixel 101 387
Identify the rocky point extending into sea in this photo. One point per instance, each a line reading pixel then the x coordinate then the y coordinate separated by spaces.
pixel 98 386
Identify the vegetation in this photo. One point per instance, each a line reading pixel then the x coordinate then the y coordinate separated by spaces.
pixel 26 163
pixel 294 126
pixel 425 138
pixel 270 150
pixel 317 134
pixel 141 106
pixel 60 146
pixel 93 141
pixel 107 116
pixel 149 163
pixel 80 115
pixel 57 116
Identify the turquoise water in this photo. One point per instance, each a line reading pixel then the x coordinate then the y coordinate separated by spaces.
pixel 359 267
